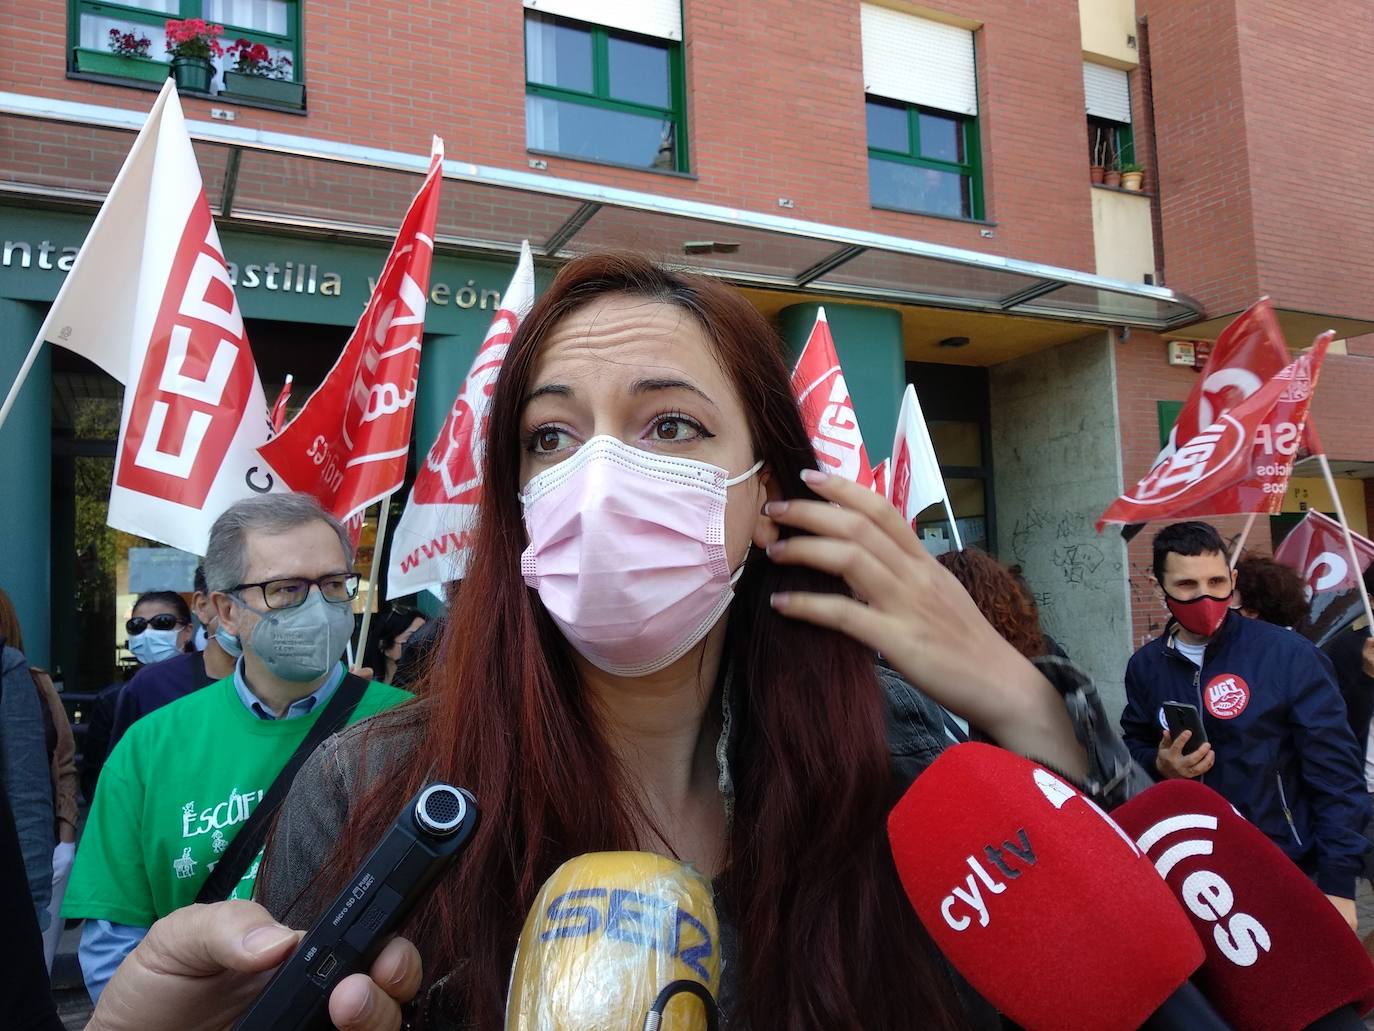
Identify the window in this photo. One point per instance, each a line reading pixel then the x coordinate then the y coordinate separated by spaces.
pixel 922 160
pixel 603 93
pixel 274 23
pixel 921 105
pixel 1107 93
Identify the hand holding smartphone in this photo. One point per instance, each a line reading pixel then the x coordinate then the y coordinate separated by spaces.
pixel 1181 716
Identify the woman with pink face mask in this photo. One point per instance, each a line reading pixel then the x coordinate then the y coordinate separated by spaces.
pixel 666 641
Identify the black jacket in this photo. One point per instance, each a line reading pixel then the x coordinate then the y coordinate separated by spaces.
pixel 1286 758
pixel 1344 650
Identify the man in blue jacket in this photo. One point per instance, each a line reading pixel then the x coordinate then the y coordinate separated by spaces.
pixel 1279 745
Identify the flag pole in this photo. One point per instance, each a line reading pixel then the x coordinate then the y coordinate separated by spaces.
pixel 1349 540
pixel 382 518
pixel 953 527
pixel 19 380
pixel 1244 536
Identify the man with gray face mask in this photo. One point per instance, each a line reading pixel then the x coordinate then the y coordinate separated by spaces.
pixel 185 779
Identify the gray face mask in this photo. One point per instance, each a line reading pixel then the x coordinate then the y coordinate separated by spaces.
pixel 302 644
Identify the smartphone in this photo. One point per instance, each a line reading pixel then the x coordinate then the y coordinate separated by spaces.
pixel 431 831
pixel 1181 716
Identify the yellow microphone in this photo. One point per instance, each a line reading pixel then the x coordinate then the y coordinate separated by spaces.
pixel 618 941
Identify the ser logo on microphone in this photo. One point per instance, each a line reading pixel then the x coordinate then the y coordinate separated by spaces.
pixel 1206 894
pixel 632 917
pixel 965 902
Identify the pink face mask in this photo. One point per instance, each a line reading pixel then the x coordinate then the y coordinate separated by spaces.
pixel 627 552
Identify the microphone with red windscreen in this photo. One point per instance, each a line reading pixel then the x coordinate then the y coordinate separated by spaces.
pixel 1279 956
pixel 1042 903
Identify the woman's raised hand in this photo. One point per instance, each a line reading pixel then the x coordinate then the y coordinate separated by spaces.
pixel 910 609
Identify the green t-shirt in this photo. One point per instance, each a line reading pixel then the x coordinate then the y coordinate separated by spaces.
pixel 172 795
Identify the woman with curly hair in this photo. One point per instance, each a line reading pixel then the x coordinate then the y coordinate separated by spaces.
pixel 1001 598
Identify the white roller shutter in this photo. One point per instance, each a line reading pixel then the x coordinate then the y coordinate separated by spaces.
pixel 918 61
pixel 1108 92
pixel 661 18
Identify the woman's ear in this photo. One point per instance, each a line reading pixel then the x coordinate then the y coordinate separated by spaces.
pixel 765 530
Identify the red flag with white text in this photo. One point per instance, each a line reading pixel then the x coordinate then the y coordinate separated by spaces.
pixel 348 444
pixel 430 544
pixel 150 291
pixel 1247 354
pixel 279 406
pixel 827 411
pixel 1316 549
pixel 880 478
pixel 1240 462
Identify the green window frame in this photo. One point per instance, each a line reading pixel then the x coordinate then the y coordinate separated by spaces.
pixel 1118 144
pixel 600 95
pixel 971 168
pixel 157 21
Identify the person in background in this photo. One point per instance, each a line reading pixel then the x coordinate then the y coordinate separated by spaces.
pixel 1279 748
pixel 1000 598
pixel 25 992
pixel 390 632
pixel 1270 591
pixel 24 773
pixel 186 778
pixel 417 654
pixel 159 627
pixel 1351 653
pixel 1005 601
pixel 61 749
pixel 158 683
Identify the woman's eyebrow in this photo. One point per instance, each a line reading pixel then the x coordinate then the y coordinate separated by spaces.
pixel 642 386
pixel 557 389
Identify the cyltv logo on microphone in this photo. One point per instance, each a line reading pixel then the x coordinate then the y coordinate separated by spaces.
pixel 969 898
pixel 1238 936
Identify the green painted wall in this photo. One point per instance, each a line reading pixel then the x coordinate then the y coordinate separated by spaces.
pixel 868 341
pixel 25 441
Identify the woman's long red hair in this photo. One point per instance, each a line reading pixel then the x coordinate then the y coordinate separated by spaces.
pixel 827 939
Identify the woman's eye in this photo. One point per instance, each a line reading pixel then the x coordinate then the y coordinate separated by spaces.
pixel 676 428
pixel 548 440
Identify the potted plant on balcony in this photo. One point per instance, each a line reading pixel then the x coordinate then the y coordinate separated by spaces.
pixel 1112 177
pixel 192 42
pixel 127 58
pixel 1097 170
pixel 259 75
pixel 1132 176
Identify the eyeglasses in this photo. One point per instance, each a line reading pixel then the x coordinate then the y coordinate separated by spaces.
pixel 162 621
pixel 292 591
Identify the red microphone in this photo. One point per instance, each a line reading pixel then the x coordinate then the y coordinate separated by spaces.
pixel 1044 905
pixel 1279 956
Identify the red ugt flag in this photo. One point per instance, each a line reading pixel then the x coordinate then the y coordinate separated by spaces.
pixel 1316 549
pixel 827 412
pixel 1240 462
pixel 1247 354
pixel 347 446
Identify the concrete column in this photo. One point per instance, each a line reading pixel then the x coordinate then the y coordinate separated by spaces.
pixel 26 444
pixel 868 340
pixel 1057 454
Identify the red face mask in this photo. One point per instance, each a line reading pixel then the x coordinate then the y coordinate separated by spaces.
pixel 1202 615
